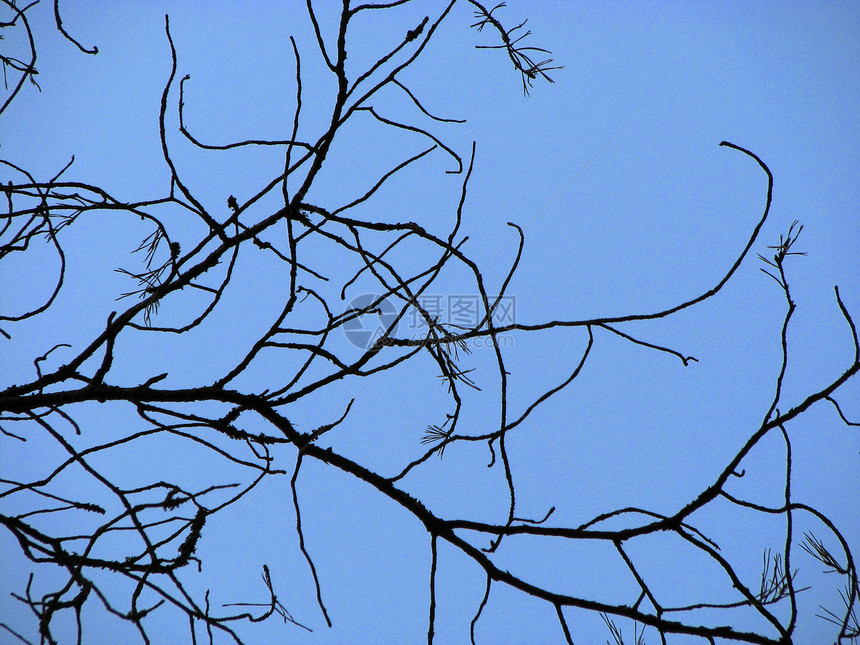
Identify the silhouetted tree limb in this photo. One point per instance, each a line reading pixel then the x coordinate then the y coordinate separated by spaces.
pixel 163 522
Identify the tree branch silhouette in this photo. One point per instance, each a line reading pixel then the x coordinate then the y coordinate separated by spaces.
pixel 144 532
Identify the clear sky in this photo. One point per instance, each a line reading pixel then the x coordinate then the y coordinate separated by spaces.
pixel 628 205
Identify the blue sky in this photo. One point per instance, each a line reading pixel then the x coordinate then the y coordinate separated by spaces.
pixel 628 205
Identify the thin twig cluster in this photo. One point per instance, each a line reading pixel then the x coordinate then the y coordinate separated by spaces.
pixel 162 523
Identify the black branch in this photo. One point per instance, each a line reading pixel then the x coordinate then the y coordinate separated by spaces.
pixel 129 543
